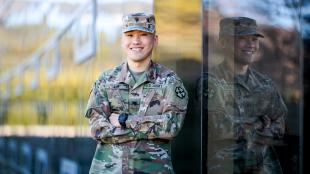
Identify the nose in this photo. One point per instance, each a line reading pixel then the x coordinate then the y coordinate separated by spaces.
pixel 136 40
pixel 252 42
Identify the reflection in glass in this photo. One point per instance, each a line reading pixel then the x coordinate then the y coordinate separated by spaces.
pixel 247 107
pixel 179 31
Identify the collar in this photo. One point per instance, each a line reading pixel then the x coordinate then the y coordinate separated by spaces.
pixel 126 77
pixel 248 81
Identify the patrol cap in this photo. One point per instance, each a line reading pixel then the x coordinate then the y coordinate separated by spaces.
pixel 238 26
pixel 139 21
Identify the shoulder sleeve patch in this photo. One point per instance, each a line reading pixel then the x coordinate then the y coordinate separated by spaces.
pixel 180 92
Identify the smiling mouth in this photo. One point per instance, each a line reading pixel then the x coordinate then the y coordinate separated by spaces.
pixel 248 52
pixel 136 49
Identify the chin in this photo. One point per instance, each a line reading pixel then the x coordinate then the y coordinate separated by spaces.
pixel 245 61
pixel 138 59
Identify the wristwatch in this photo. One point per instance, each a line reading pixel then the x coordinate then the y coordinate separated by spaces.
pixel 122 119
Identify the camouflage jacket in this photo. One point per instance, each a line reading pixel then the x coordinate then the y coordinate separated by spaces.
pixel 246 115
pixel 156 105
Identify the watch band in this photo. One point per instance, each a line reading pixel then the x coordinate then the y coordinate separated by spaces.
pixel 122 119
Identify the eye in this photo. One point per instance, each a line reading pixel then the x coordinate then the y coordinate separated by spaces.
pixel 128 34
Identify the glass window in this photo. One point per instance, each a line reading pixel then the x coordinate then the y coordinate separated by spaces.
pixel 253 86
pixel 179 48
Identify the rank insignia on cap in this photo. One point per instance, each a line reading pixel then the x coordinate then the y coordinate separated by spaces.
pixel 139 21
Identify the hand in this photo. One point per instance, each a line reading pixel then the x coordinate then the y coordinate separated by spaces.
pixel 266 121
pixel 114 120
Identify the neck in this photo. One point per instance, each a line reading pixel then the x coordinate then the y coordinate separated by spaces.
pixel 237 68
pixel 139 66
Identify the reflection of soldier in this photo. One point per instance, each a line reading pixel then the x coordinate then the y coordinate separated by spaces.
pixel 137 107
pixel 245 110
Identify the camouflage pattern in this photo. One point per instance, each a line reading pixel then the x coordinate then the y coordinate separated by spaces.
pixel 156 105
pixel 139 21
pixel 238 26
pixel 246 116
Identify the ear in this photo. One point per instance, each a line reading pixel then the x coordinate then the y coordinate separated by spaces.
pixel 155 40
pixel 222 42
pixel 122 39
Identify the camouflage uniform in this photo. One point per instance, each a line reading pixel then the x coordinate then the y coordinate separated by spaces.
pixel 156 105
pixel 245 117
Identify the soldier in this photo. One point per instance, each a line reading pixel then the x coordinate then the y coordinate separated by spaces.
pixel 246 113
pixel 135 109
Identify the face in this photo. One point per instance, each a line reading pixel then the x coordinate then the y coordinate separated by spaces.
pixel 244 50
pixel 138 45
